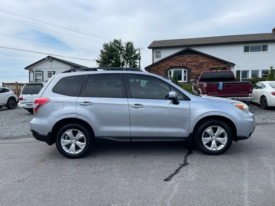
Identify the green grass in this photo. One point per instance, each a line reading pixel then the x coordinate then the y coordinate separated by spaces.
pixel 187 87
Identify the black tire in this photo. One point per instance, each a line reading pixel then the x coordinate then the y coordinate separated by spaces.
pixel 263 102
pixel 81 128
pixel 11 104
pixel 30 110
pixel 214 123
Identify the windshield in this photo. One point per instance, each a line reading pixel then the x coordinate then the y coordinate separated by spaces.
pixel 32 88
pixel 217 76
pixel 272 85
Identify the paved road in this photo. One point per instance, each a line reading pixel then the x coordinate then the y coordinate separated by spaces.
pixel 33 173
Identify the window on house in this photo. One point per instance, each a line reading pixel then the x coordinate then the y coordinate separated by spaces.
pixel 265 73
pixel 38 77
pixel 244 75
pixel 50 74
pixel 181 74
pixel 256 48
pixel 157 54
pixel 254 73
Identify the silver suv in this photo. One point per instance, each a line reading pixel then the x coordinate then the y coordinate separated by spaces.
pixel 75 109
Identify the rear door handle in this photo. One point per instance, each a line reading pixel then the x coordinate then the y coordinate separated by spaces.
pixel 86 104
pixel 137 106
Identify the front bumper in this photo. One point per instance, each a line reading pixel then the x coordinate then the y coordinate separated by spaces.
pixel 44 138
pixel 245 126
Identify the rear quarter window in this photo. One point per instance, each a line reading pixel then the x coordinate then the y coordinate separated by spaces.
pixel 69 86
pixel 32 88
pixel 217 76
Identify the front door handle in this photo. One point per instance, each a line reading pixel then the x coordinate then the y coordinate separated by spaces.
pixel 137 106
pixel 86 104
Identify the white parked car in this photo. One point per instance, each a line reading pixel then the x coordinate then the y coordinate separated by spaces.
pixel 8 98
pixel 28 94
pixel 264 94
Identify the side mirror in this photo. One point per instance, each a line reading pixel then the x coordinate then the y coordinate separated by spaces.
pixel 174 97
pixel 192 80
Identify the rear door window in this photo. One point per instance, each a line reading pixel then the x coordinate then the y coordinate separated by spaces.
pixel 104 85
pixel 69 86
pixel 272 85
pixel 217 76
pixel 32 88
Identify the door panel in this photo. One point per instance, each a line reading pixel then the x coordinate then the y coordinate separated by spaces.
pixel 105 104
pixel 152 114
pixel 158 118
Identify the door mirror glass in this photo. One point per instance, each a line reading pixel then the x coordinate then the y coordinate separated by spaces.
pixel 192 80
pixel 174 97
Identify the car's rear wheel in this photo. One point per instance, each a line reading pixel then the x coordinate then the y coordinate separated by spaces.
pixel 11 103
pixel 213 137
pixel 73 140
pixel 264 104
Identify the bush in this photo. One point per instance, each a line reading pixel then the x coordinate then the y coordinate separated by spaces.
pixel 256 79
pixel 175 77
pixel 238 79
pixel 270 76
pixel 187 87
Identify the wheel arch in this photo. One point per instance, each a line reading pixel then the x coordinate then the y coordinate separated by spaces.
pixel 65 121
pixel 221 118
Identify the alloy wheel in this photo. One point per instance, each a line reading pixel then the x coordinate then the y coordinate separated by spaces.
pixel 12 103
pixel 73 141
pixel 263 102
pixel 214 138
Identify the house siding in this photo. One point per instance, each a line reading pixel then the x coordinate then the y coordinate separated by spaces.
pixel 233 53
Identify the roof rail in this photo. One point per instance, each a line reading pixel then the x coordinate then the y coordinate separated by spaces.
pixel 99 68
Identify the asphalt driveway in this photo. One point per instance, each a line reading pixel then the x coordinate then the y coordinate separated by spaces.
pixel 33 173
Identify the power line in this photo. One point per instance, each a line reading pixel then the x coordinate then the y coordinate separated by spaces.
pixel 51 30
pixel 52 24
pixel 39 41
pixel 45 53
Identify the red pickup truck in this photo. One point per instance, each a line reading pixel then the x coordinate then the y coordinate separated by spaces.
pixel 221 83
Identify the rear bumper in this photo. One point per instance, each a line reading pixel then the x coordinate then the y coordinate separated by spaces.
pixel 242 99
pixel 44 138
pixel 23 105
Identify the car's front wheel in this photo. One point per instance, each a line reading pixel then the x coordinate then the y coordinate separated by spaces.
pixel 213 137
pixel 264 104
pixel 73 140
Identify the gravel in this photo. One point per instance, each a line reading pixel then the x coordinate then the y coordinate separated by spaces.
pixel 15 123
pixel 263 116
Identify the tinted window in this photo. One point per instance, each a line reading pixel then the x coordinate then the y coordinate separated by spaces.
pixel 4 90
pixel 69 86
pixel 272 85
pixel 104 85
pixel 32 88
pixel 217 76
pixel 145 87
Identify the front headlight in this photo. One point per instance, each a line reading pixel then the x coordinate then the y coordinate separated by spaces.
pixel 242 106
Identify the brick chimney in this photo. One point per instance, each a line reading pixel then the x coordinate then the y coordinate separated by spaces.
pixel 273 30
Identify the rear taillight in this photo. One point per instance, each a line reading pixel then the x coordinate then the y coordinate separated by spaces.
pixel 20 98
pixel 39 102
pixel 273 93
pixel 250 88
pixel 14 92
pixel 204 89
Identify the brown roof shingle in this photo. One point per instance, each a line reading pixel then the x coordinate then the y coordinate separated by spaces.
pixel 245 38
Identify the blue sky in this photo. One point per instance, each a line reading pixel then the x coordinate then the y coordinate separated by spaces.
pixel 139 21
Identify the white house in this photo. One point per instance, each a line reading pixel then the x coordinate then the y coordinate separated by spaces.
pixel 45 68
pixel 252 54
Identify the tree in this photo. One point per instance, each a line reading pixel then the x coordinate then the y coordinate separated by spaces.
pixel 220 68
pixel 118 54
pixel 270 76
pixel 175 77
